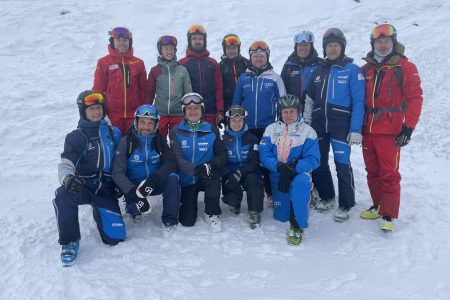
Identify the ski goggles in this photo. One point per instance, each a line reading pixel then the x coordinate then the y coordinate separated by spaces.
pixel 147 111
pixel 236 111
pixel 196 29
pixel 386 30
pixel 94 99
pixel 191 98
pixel 259 45
pixel 304 36
pixel 168 40
pixel 121 32
pixel 232 40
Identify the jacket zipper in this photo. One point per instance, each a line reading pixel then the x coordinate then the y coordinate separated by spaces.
pixel 237 148
pixel 256 103
pixel 124 89
pixel 146 157
pixel 193 153
pixel 170 86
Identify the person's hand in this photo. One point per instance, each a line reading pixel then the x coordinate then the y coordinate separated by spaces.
pixel 354 138
pixel 73 184
pixel 205 170
pixel 404 137
pixel 286 170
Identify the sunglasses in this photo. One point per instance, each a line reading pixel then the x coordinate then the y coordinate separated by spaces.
pixel 168 40
pixel 121 32
pixel 232 40
pixel 236 112
pixel 259 45
pixel 192 98
pixel 304 36
pixel 385 30
pixel 196 28
pixel 93 99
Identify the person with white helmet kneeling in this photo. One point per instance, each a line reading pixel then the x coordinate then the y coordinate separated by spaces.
pixel 200 154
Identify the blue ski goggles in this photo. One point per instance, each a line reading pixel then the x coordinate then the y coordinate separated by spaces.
pixel 304 36
pixel 147 110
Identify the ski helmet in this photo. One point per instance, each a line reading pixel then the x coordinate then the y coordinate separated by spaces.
pixel 236 111
pixel 334 35
pixel 120 32
pixel 288 101
pixel 196 29
pixel 89 98
pixel 231 39
pixel 166 40
pixel 192 99
pixel 259 46
pixel 146 111
pixel 304 36
pixel 383 30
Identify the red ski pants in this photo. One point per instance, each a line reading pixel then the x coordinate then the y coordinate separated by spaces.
pixel 382 158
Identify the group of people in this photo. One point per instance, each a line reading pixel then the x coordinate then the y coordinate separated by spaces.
pixel 224 129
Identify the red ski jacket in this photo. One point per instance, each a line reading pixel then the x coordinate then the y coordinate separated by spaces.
pixel 122 78
pixel 393 93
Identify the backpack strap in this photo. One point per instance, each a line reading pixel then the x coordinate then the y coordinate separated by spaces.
pixel 86 145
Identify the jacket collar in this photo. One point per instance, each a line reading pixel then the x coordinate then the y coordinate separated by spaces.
pixel 397 54
pixel 195 54
pixel 204 127
pixel 116 53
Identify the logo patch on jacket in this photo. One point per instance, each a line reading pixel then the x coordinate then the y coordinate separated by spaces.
pixel 317 78
pixel 113 67
pixel 184 144
pixel 293 73
pixel 136 158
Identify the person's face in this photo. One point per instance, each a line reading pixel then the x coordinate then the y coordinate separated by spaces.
pixel 333 50
pixel 259 60
pixel 303 49
pixel 121 44
pixel 236 123
pixel 194 112
pixel 94 113
pixel 145 126
pixel 197 42
pixel 289 115
pixel 231 51
pixel 383 45
pixel 168 51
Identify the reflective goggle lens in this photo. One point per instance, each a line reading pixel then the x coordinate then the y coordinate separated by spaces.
pixel 232 40
pixel 236 112
pixel 196 28
pixel 305 36
pixel 93 99
pixel 146 112
pixel 189 99
pixel 386 30
pixel 168 40
pixel 121 32
pixel 258 45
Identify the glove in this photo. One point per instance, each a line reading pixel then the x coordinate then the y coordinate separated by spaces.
pixel 131 196
pixel 73 184
pixel 232 182
pixel 404 136
pixel 354 138
pixel 284 184
pixel 287 170
pixel 219 119
pixel 204 171
pixel 146 187
pixel 136 206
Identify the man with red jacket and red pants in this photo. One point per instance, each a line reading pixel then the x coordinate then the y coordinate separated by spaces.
pixel 122 78
pixel 204 71
pixel 393 106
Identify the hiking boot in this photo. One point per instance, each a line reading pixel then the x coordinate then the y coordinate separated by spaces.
pixel 168 230
pixel 254 219
pixel 325 204
pixel 315 198
pixel 342 214
pixel 294 236
pixel 371 213
pixel 235 210
pixel 69 253
pixel 214 222
pixel 386 224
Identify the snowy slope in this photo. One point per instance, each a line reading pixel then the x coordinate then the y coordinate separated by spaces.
pixel 47 58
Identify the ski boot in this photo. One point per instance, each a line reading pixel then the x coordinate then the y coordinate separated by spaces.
pixel 254 219
pixel 294 236
pixel 69 253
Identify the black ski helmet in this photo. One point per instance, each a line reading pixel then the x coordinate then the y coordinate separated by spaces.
pixel 89 98
pixel 196 29
pixel 334 35
pixel 231 39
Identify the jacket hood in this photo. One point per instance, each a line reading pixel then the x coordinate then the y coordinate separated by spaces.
pixel 267 70
pixel 164 62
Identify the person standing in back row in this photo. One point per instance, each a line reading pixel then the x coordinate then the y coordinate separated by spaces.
pixel 167 82
pixel 393 105
pixel 204 72
pixel 122 78
pixel 232 66
pixel 334 107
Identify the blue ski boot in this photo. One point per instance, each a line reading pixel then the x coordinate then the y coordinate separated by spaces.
pixel 69 253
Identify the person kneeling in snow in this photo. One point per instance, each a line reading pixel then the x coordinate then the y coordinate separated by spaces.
pixel 289 149
pixel 85 176
pixel 200 155
pixel 145 166
pixel 241 173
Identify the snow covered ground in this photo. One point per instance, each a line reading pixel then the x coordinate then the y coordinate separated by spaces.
pixel 48 56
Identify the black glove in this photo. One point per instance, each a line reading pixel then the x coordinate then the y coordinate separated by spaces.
pixel 232 182
pixel 131 196
pixel 205 170
pixel 287 170
pixel 146 187
pixel 284 184
pixel 404 136
pixel 73 184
